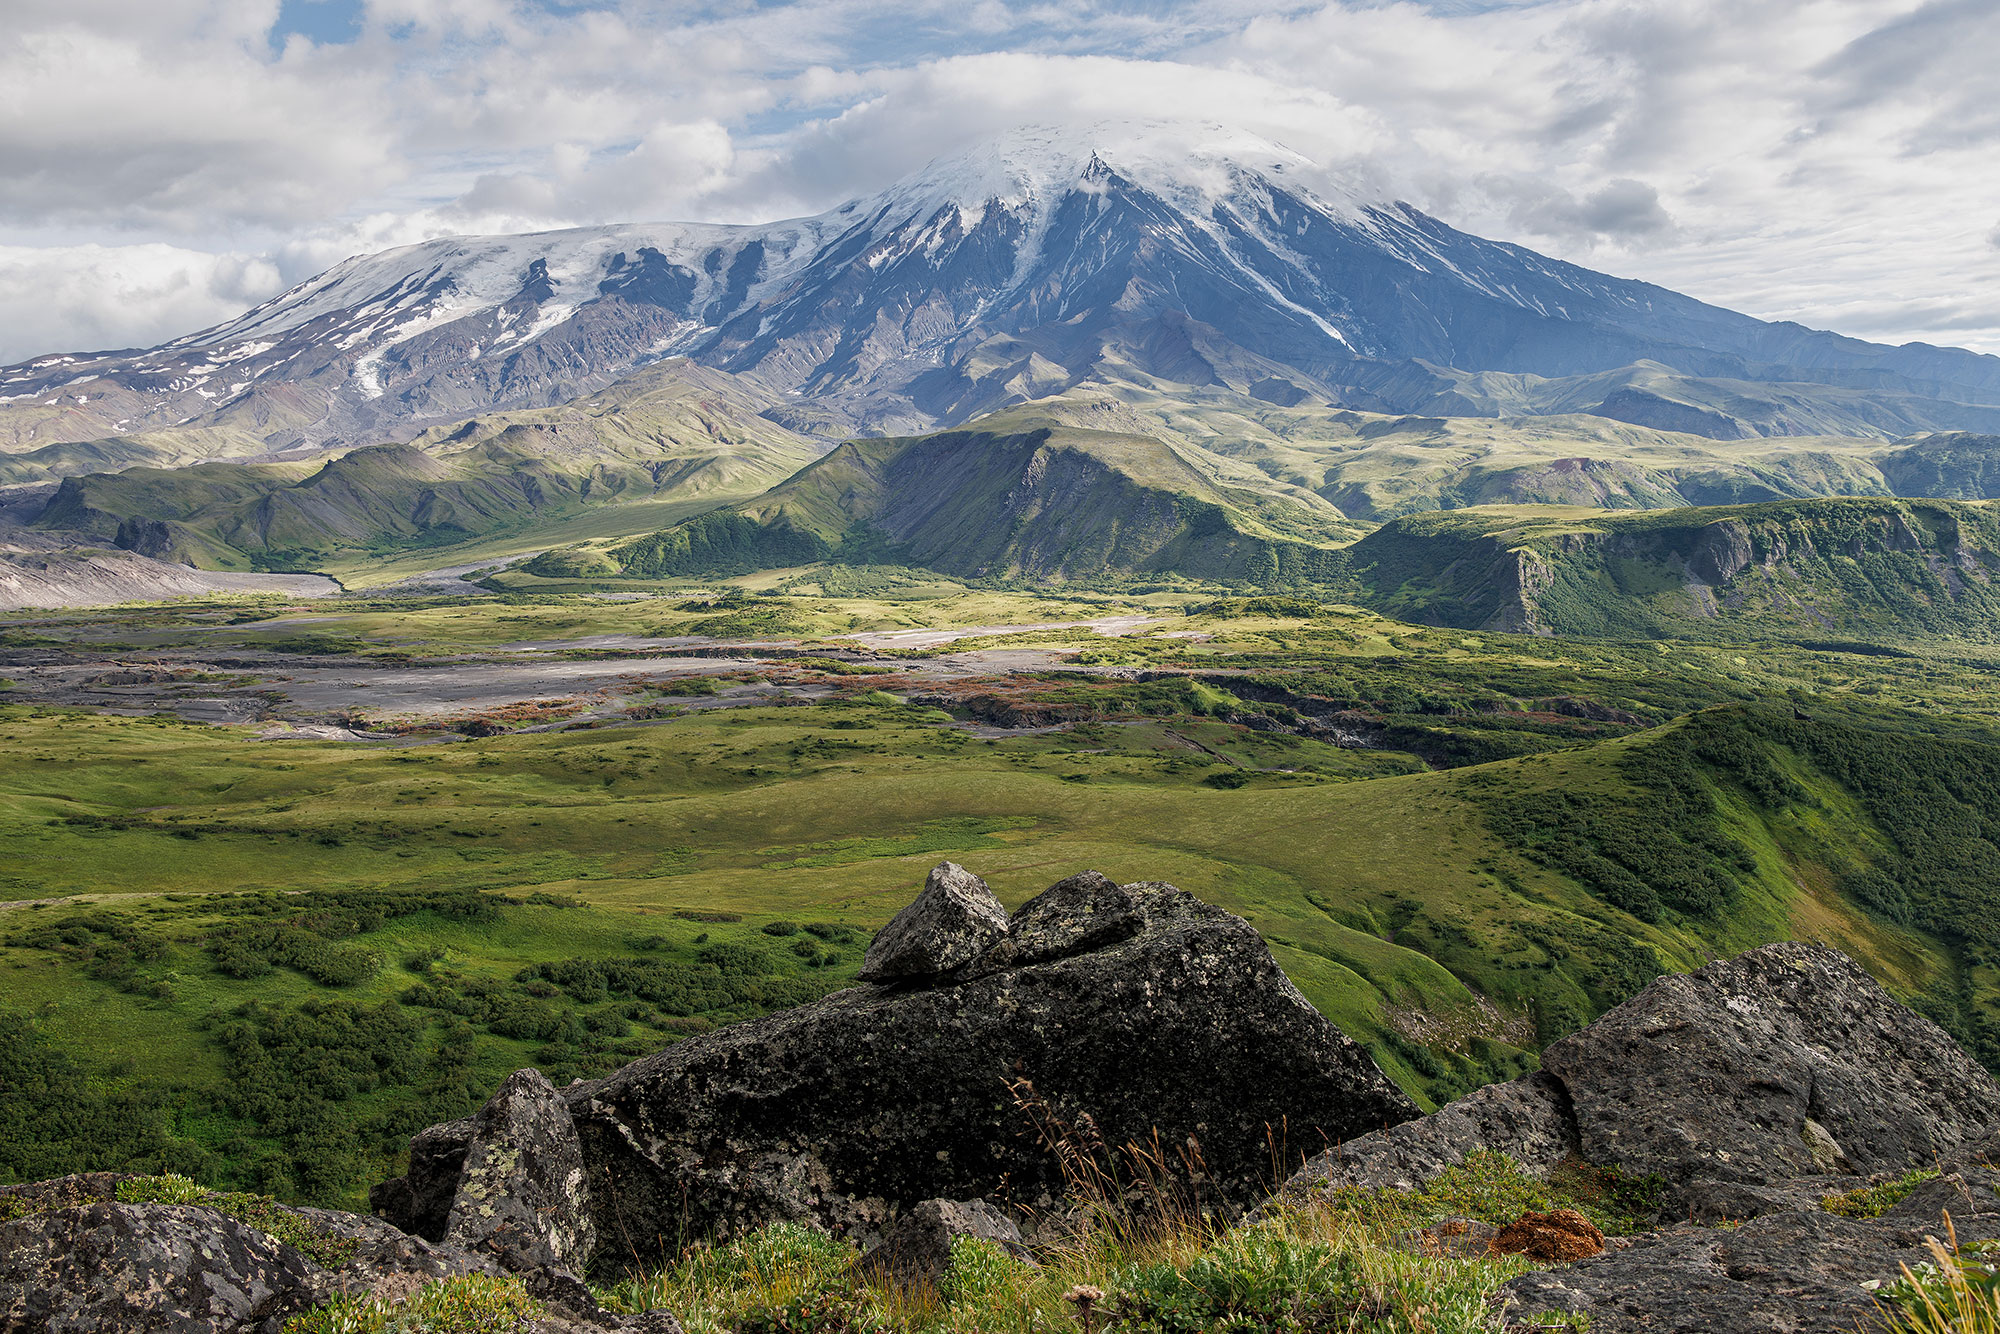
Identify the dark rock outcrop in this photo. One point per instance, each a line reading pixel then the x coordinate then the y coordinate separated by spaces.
pixel 915 1250
pixel 1745 1086
pixel 141 1268
pixel 1786 1061
pixel 521 1195
pixel 952 922
pixel 1137 1007
pixel 73 1258
pixel 1793 1272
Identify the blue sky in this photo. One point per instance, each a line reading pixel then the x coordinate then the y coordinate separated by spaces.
pixel 168 162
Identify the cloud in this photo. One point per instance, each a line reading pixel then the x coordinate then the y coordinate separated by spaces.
pixel 1622 209
pixel 1806 159
pixel 92 297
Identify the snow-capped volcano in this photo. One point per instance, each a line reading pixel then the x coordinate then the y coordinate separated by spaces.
pixel 1013 270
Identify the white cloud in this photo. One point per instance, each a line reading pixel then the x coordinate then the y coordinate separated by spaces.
pixel 96 298
pixel 1824 160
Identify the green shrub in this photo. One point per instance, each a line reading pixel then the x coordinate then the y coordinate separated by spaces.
pixel 1873 1201
pixel 472 1304
pixel 1258 1278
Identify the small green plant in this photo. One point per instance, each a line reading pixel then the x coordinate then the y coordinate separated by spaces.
pixel 1260 1278
pixel 1955 1292
pixel 472 1304
pixel 771 1276
pixel 980 1270
pixel 1873 1201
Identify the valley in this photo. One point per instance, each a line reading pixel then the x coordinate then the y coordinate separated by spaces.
pixel 1406 814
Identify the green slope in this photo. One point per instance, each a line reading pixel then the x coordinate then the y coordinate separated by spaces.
pixel 674 433
pixel 1815 569
pixel 1017 498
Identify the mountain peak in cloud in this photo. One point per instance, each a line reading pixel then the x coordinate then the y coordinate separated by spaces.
pixel 1188 162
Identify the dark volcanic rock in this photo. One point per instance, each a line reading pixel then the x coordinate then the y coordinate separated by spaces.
pixel 420 1202
pixel 141 1268
pixel 1789 1273
pixel 521 1194
pixel 953 921
pixel 1528 1118
pixel 1783 1062
pixel 915 1250
pixel 1137 1005
pixel 1750 1086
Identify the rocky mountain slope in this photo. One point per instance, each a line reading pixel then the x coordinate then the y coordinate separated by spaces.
pixel 1797 569
pixel 1007 273
pixel 1016 497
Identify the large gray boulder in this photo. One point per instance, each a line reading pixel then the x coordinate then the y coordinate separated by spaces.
pixel 952 922
pixel 521 1195
pixel 1747 1086
pixel 1125 1012
pixel 1796 1272
pixel 141 1268
pixel 1783 1062
pixel 74 1258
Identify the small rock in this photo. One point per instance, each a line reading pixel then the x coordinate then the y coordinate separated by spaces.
pixel 522 1196
pixel 953 921
pixel 1553 1237
pixel 915 1251
pixel 1086 912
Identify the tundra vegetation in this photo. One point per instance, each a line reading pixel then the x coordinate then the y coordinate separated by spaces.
pixel 261 964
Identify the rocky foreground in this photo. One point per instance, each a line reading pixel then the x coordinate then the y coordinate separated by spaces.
pixel 921 1105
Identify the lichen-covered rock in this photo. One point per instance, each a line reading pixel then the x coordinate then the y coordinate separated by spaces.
pixel 915 1251
pixel 951 922
pixel 420 1202
pixel 1138 1005
pixel 140 1268
pixel 1767 1067
pixel 1529 1118
pixel 1786 1273
pixel 1747 1086
pixel 521 1195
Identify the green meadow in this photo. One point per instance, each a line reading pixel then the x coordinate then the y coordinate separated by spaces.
pixel 264 962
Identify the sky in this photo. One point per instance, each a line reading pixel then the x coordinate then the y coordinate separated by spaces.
pixel 165 164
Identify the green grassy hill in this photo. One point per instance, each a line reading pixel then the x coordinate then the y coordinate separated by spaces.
pixel 1453 921
pixel 1018 498
pixel 1868 568
pixel 672 433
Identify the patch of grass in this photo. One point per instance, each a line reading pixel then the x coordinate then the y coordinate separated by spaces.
pixel 472 1304
pixel 1876 1200
pixel 1956 1292
pixel 959 834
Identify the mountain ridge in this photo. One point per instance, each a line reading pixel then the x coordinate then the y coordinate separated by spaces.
pixel 915 309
